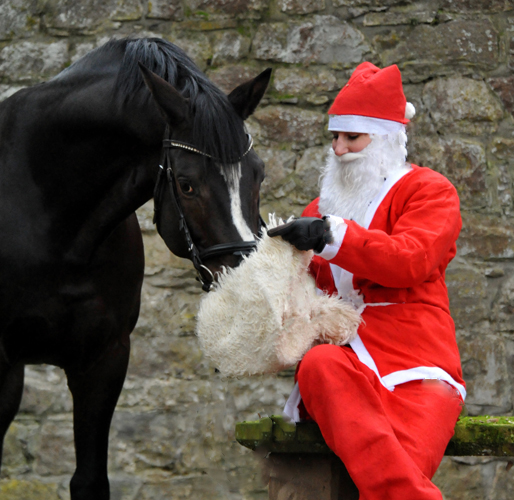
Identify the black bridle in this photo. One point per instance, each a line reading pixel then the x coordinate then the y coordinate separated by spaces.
pixel 238 248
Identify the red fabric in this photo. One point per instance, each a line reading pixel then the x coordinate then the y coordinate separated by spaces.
pixel 402 259
pixel 373 92
pixel 390 442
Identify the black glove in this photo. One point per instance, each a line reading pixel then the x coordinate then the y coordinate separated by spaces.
pixel 305 233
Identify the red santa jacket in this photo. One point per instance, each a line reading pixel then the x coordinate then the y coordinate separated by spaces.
pixel 398 265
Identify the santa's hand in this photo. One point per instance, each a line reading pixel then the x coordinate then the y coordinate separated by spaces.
pixel 305 233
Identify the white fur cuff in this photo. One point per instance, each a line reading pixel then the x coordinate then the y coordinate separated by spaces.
pixel 338 229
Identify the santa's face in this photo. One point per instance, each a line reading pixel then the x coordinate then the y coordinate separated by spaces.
pixel 349 142
pixel 355 171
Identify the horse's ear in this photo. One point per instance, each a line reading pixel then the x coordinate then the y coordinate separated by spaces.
pixel 174 107
pixel 246 97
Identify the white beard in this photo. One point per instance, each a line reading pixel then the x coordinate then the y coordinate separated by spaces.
pixel 349 183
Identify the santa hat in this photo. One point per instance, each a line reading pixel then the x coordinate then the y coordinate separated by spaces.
pixel 371 102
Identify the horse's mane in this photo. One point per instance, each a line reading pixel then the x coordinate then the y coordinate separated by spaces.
pixel 217 129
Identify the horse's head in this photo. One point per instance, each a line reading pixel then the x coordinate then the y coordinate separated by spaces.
pixel 207 194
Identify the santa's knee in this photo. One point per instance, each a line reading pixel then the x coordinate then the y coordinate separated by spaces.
pixel 318 361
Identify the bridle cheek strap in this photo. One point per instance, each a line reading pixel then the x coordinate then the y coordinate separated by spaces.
pixel 239 248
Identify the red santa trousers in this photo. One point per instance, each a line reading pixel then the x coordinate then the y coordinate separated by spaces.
pixel 391 442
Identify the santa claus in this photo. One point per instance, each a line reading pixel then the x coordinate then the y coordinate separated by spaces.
pixel 383 231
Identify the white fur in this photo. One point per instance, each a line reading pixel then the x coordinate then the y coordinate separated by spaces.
pixel 266 314
pixel 348 187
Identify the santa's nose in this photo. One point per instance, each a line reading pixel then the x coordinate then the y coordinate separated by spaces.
pixel 340 146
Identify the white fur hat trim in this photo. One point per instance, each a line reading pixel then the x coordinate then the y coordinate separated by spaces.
pixel 363 125
pixel 264 315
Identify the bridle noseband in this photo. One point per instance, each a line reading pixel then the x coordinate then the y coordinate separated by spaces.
pixel 238 248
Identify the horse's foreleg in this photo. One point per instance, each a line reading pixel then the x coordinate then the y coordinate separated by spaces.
pixel 11 389
pixel 95 394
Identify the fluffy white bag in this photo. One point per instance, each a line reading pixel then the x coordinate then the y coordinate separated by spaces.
pixel 264 315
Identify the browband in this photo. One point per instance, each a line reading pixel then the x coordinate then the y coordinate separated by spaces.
pixel 170 143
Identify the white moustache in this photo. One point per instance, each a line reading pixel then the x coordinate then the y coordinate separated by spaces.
pixel 348 157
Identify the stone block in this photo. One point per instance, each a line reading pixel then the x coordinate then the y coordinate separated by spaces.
pixel 229 76
pixel 213 9
pixel 127 10
pixel 409 15
pixel 503 481
pixel 14 489
pixel 87 17
pixel 308 171
pixel 55 451
pixel 45 391
pixel 465 6
pixel 511 53
pixel 486 237
pixel 299 82
pixel 370 4
pixel 428 51
pixel 18 18
pixel 229 46
pixel 467 289
pixel 165 9
pixel 195 44
pixel 458 481
pixel 500 155
pixel 19 447
pixel 32 61
pixel 484 365
pixel 292 125
pixel 504 87
pixel 463 162
pixel 301 6
pixel 321 40
pixel 503 308
pixel 279 167
pixel 460 105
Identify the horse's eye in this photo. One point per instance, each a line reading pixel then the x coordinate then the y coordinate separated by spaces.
pixel 185 187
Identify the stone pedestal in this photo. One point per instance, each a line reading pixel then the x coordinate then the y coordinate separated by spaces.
pixel 298 465
pixel 307 477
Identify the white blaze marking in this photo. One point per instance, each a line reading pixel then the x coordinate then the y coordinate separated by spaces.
pixel 232 176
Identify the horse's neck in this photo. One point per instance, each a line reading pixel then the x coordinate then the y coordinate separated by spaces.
pixel 88 171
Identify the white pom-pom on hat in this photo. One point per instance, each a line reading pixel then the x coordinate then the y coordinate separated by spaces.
pixel 410 111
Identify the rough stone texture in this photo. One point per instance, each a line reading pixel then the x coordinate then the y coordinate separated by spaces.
pixel 462 105
pixel 244 9
pixel 301 6
pixel 32 61
pixel 300 81
pixel 86 17
pixel 476 5
pixel 173 432
pixel 285 124
pixel 18 18
pixel 401 16
pixel 230 46
pixel 505 89
pixel 444 48
pixel 324 40
pixel 165 9
pixel 230 76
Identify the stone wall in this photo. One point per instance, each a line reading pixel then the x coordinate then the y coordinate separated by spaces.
pixel 173 431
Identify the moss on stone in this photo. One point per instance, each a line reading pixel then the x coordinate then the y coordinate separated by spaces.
pixel 34 490
pixel 474 436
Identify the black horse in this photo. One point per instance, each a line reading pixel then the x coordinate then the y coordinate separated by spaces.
pixel 78 155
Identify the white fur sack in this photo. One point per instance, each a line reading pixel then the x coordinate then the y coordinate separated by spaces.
pixel 264 315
